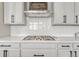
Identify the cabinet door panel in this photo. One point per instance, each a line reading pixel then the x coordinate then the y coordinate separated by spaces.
pixel 77 53
pixel 69 12
pixel 38 53
pixel 28 53
pixel 19 14
pixel 58 12
pixel 8 11
pixel 65 53
pixel 14 53
pixel 77 12
pixel 1 53
pixel 9 53
pixel 14 14
pixel 64 13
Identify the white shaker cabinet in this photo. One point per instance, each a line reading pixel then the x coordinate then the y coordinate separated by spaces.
pixel 58 13
pixel 76 49
pixel 65 50
pixel 14 13
pixel 9 49
pixel 76 13
pixel 75 53
pixel 1 53
pixel 13 53
pixel 69 12
pixel 64 53
pixel 63 13
pixel 9 53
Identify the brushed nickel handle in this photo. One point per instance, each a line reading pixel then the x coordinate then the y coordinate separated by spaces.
pixel 5 45
pixel 75 53
pixel 64 19
pixel 12 18
pixel 76 19
pixel 70 53
pixel 77 45
pixel 65 46
pixel 35 55
pixel 5 53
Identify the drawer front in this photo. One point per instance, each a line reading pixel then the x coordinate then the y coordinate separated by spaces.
pixel 65 46
pixel 76 46
pixel 39 53
pixel 53 46
pixel 8 45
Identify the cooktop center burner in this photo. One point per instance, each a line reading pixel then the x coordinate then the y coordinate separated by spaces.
pixel 38 38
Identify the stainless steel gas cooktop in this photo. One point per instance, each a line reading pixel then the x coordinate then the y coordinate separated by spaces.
pixel 46 38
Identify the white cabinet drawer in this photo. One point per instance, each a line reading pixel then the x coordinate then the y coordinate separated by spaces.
pixel 76 46
pixel 38 53
pixel 65 46
pixel 4 45
pixel 37 45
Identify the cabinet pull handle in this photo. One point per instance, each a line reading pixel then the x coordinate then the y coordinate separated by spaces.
pixel 12 18
pixel 75 53
pixel 65 46
pixel 76 19
pixel 77 45
pixel 38 55
pixel 70 53
pixel 5 53
pixel 64 19
pixel 5 45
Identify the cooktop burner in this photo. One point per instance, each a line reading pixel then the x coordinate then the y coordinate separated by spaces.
pixel 38 38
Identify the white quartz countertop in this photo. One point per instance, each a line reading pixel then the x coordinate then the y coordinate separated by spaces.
pixel 20 39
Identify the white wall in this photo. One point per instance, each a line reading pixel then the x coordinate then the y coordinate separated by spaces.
pixel 44 28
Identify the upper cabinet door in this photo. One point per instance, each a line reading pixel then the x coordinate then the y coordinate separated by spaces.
pixel 64 13
pixel 13 13
pixel 58 12
pixel 69 12
pixel 76 13
pixel 19 14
